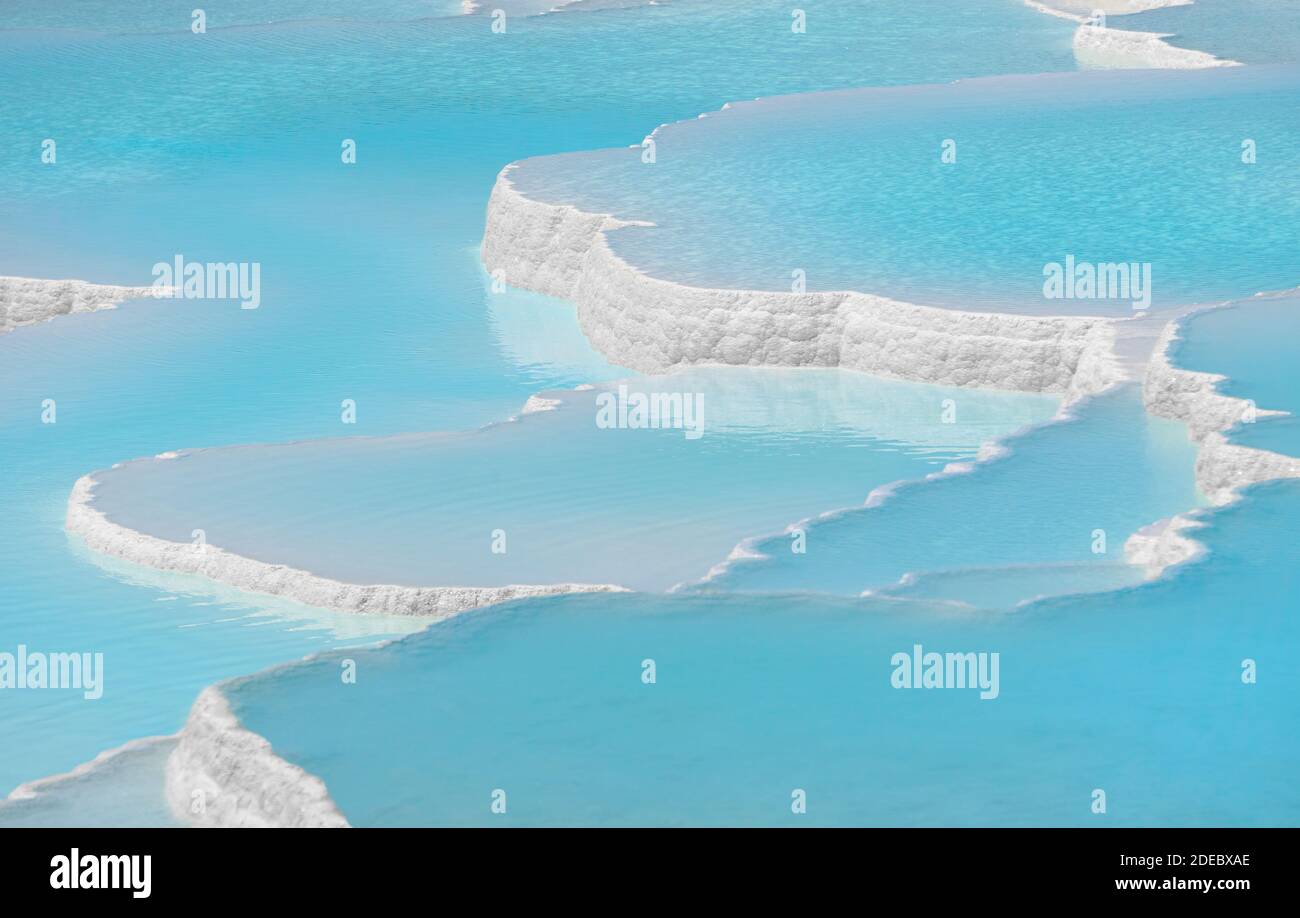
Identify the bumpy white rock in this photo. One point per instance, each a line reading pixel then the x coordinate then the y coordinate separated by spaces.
pixel 652 325
pixel 29 300
pixel 221 774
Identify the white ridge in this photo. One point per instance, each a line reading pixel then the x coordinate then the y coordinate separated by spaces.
pixel 652 325
pixel 435 602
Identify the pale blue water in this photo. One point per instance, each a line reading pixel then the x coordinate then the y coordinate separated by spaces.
pixel 226 147
pixel 1113 469
pixel 1137 693
pixel 850 188
pixel 177 15
pixel 1249 31
pixel 577 503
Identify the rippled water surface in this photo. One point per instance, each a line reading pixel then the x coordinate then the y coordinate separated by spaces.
pixel 963 195
pixel 1138 693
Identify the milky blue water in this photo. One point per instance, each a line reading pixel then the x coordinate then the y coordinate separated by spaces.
pixel 226 147
pixel 1136 693
pixel 1065 491
pixel 1249 31
pixel 572 500
pixel 853 189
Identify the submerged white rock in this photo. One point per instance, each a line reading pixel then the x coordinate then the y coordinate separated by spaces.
pixel 537 403
pixel 1105 48
pixel 1097 47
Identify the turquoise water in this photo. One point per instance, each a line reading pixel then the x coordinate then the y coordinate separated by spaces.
pixel 169 106
pixel 1113 469
pixel 851 188
pixel 574 502
pixel 1280 435
pixel 226 147
pixel 1137 693
pixel 1249 31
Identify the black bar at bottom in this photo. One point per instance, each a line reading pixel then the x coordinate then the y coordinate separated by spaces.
pixel 619 867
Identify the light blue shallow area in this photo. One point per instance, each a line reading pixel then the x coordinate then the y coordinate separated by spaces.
pixel 558 496
pixel 853 190
pixel 1014 585
pixel 1249 31
pixel 1137 693
pixel 1063 492
pixel 123 789
pixel 226 147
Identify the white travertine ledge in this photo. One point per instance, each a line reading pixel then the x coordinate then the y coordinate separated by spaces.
pixel 1222 468
pixel 30 300
pixel 1193 398
pixel 652 325
pixel 435 602
pixel 223 775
